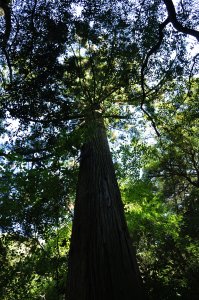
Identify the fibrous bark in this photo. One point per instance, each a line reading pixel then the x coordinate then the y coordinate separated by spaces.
pixel 102 264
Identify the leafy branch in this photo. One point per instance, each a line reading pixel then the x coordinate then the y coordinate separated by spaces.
pixel 172 16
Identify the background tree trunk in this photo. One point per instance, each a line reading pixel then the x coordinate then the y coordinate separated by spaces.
pixel 102 264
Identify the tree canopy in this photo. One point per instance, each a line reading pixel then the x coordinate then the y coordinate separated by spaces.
pixel 134 64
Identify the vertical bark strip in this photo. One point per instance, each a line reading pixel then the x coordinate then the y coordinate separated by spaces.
pixel 101 262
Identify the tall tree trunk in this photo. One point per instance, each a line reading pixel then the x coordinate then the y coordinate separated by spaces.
pixel 102 264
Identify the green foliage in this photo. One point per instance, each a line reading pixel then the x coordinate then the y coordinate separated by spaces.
pixel 162 205
pixel 62 66
pixel 168 258
pixel 34 268
pixel 148 212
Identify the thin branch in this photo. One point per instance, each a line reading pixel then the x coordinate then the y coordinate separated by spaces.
pixel 32 159
pixel 117 117
pixel 151 52
pixel 173 19
pixel 8 63
pixel 154 49
pixel 81 78
pixel 115 89
pixel 92 54
pixel 7 15
pixel 191 72
pixel 143 69
pixel 151 120
pixel 68 118
pixel 176 24
pixel 184 175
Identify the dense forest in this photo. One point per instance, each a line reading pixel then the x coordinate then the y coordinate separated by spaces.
pixel 99 150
